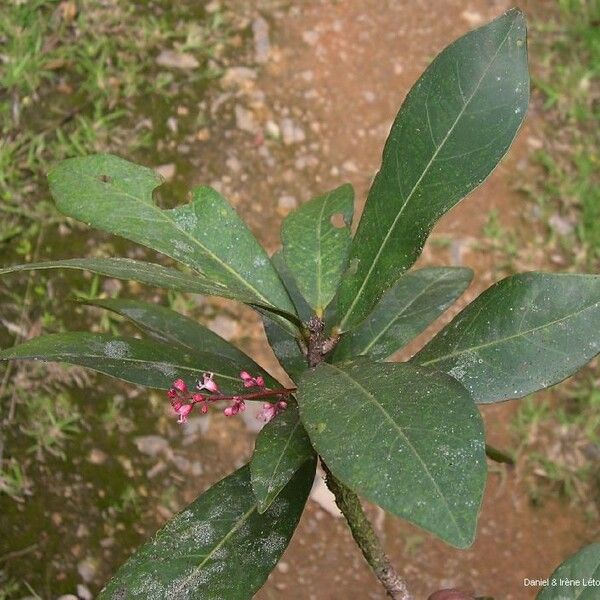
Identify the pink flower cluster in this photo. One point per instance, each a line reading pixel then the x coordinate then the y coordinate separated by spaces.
pixel 183 401
pixel 271 410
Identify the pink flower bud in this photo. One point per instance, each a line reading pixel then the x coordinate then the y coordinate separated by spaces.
pixel 245 376
pixel 260 381
pixel 230 411
pixel 172 393
pixel 197 398
pixel 179 385
pixel 183 411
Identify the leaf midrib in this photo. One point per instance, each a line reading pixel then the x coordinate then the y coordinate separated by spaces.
pixel 402 313
pixel 272 476
pixel 510 337
pixel 194 240
pixel 222 542
pixel 120 359
pixel 318 302
pixel 387 415
pixel 425 171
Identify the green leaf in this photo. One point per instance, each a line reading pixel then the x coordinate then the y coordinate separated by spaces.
pixel 302 307
pixel 525 333
pixel 413 303
pixel 207 235
pixel 128 269
pixel 171 328
pixel 219 547
pixel 315 250
pixel 584 568
pixel 286 346
pixel 282 447
pixel 143 362
pixel 452 130
pixel 407 438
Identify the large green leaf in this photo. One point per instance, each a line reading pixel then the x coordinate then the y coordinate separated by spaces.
pixel 454 126
pixel 316 250
pixel 128 269
pixel 220 547
pixel 408 438
pixel 578 578
pixel 172 328
pixel 282 447
pixel 405 310
pixel 206 234
pixel 147 363
pixel 523 334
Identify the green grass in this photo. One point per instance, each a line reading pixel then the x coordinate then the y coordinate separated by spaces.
pixel 560 443
pixel 49 423
pixel 559 437
pixel 566 78
pixel 79 82
pixel 75 78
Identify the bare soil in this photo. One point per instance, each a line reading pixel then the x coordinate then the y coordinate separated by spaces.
pixel 315 115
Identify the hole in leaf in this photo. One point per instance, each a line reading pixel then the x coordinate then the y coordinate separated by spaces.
pixel 105 178
pixel 353 266
pixel 337 220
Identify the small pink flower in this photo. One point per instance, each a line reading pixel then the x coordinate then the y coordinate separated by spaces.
pixel 250 381
pixel 270 411
pixel 208 383
pixel 180 386
pixel 238 405
pixel 183 411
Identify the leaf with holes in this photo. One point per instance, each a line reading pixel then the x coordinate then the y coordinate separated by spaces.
pixel 171 328
pixel 414 302
pixel 409 439
pixel 129 270
pixel 524 334
pixel 452 130
pixel 207 235
pixel 144 362
pixel 315 248
pixel 282 447
pixel 575 579
pixel 219 547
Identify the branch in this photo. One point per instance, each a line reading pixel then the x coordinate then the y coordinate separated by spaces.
pixel 366 538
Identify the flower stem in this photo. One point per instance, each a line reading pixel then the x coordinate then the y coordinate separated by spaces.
pixel 256 395
pixel 366 538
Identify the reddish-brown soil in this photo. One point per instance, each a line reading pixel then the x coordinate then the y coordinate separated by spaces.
pixel 341 69
pixel 338 71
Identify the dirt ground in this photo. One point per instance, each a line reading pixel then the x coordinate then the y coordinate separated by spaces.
pixel 341 70
pixel 306 109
